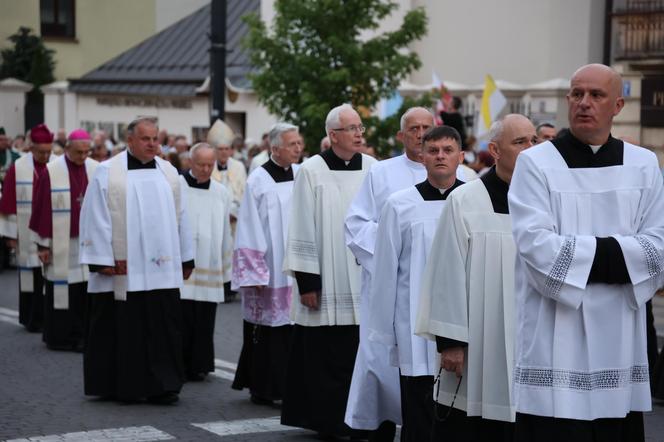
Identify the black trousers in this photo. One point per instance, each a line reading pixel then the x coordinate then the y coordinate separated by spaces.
pixel 320 368
pixel 134 347
pixel 65 329
pixel 548 429
pixel 198 335
pixel 263 360
pixel 416 408
pixel 31 304
pixel 455 425
pixel 99 367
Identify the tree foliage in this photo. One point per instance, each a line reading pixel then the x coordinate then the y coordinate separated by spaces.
pixel 316 56
pixel 28 60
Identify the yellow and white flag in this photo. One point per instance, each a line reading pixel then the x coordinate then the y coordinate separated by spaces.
pixel 493 101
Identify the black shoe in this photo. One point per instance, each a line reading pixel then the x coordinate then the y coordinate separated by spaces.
pixel 61 347
pixel 79 347
pixel 127 401
pixel 164 399
pixel 261 401
pixel 196 377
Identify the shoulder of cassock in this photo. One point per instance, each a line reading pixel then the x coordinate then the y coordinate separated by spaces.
pixel 639 155
pixel 233 163
pixel 368 161
pixel 470 196
pixel 404 198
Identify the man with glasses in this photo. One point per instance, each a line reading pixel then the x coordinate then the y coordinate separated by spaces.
pixel 55 219
pixel 374 398
pixel 15 211
pixel 327 294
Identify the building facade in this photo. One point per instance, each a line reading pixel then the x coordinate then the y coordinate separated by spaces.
pixel 636 49
pixel 531 48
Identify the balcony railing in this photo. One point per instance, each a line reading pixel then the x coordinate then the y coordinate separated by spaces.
pixel 638 29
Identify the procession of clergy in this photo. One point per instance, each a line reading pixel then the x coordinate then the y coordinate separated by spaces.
pixel 521 292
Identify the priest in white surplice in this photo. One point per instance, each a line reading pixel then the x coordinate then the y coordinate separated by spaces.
pixel 15 211
pixel 374 398
pixel 467 297
pixel 257 269
pixel 406 228
pixel 587 219
pixel 326 301
pixel 56 209
pixel 208 207
pixel 136 240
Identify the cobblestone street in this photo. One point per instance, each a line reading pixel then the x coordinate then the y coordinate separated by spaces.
pixel 41 394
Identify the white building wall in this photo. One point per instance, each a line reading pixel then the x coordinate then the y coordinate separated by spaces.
pixel 519 41
pixel 12 105
pixel 175 120
pixel 516 41
pixel 168 12
pixel 258 119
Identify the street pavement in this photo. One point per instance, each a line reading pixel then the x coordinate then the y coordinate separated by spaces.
pixel 41 393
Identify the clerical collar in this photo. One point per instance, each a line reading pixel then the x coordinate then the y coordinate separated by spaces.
pixel 580 155
pixel 336 163
pixel 278 173
pixel 37 165
pixel 193 182
pixel 70 163
pixel 222 167
pixel 134 163
pixel 431 193
pixel 497 190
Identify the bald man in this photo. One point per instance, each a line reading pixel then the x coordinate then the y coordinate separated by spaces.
pixel 375 393
pixel 587 221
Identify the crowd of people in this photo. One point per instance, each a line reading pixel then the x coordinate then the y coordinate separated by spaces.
pixel 478 296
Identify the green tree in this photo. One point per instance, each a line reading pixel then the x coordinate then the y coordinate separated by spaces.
pixel 28 60
pixel 316 56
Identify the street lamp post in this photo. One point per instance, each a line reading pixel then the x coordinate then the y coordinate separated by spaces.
pixel 217 59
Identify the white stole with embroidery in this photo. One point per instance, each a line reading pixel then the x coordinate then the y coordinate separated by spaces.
pixel 117 204
pixel 58 271
pixel 27 250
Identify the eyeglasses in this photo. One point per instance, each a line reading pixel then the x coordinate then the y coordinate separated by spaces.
pixel 352 128
pixel 437 383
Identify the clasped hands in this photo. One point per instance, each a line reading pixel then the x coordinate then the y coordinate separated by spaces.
pixel 452 359
pixel 311 300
